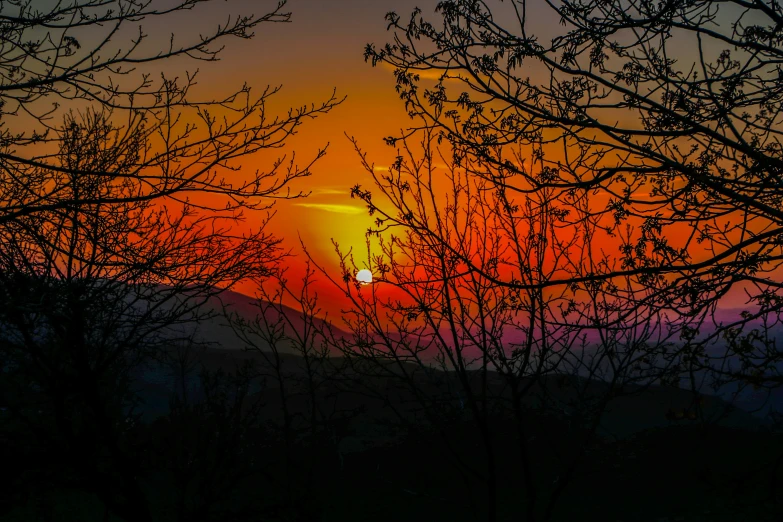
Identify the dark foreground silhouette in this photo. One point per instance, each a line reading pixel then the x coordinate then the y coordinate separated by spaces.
pixel 217 446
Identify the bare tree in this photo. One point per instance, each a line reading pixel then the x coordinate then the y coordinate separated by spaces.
pixel 571 215
pixel 94 53
pixel 120 200
pixel 525 366
pixel 306 384
pixel 657 124
pixel 95 290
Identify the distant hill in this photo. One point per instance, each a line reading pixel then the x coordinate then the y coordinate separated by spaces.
pixel 635 410
pixel 220 346
pixel 217 333
pixel 212 326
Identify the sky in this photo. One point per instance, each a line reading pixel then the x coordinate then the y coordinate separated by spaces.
pixel 318 52
pixel 321 50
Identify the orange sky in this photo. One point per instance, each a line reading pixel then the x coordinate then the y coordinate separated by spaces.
pixel 321 50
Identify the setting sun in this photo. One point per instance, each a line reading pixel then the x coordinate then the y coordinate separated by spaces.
pixel 364 277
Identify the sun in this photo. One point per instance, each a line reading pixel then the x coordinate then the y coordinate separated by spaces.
pixel 364 277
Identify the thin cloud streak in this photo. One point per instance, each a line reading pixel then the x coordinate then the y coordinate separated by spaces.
pixel 330 191
pixel 334 208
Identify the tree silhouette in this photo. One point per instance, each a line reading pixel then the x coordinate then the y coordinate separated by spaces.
pixel 563 220
pixel 652 129
pixel 291 347
pixel 118 195
pixel 518 366
pixel 80 54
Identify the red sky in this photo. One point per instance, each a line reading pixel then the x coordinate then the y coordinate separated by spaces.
pixel 321 50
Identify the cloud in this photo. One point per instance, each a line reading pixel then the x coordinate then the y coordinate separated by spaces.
pixel 330 191
pixel 334 208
